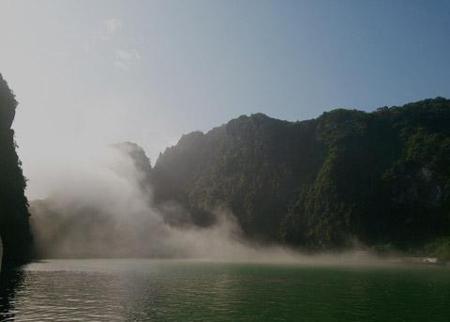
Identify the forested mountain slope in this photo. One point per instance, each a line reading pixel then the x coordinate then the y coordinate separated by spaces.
pixel 379 177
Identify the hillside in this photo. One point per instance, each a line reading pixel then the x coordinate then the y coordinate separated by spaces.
pixel 378 178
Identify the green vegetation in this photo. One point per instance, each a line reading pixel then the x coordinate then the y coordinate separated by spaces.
pixel 439 248
pixel 381 178
pixel 14 226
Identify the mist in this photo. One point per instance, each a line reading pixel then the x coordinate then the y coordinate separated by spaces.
pixel 103 208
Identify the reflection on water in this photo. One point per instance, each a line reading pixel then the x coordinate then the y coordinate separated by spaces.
pixel 10 281
pixel 164 290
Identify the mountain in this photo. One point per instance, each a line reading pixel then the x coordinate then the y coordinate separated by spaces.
pixel 378 178
pixel 14 225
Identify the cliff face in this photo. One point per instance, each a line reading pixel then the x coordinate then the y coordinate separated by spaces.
pixel 380 177
pixel 14 227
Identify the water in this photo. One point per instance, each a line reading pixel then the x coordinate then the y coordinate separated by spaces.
pixel 165 290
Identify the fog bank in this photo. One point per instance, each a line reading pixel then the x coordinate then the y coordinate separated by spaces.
pixel 104 208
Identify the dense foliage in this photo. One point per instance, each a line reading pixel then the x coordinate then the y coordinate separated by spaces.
pixel 379 178
pixel 14 226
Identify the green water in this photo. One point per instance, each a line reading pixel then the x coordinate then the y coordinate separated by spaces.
pixel 164 290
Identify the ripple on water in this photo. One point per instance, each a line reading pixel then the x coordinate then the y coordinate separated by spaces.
pixel 145 290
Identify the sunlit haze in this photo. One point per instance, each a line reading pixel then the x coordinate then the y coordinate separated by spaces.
pixel 91 73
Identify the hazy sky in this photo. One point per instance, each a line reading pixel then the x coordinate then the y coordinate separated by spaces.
pixel 89 73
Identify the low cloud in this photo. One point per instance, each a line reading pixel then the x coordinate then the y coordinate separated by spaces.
pixel 105 209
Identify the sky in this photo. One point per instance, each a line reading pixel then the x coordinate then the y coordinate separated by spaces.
pixel 89 73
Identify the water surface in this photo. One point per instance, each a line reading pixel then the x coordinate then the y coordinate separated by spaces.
pixel 169 290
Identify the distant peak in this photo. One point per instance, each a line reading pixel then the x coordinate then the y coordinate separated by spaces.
pixel 136 153
pixel 190 137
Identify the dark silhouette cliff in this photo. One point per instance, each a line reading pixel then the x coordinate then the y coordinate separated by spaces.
pixel 14 225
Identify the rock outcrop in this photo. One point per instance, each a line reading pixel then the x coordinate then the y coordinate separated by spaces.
pixel 14 224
